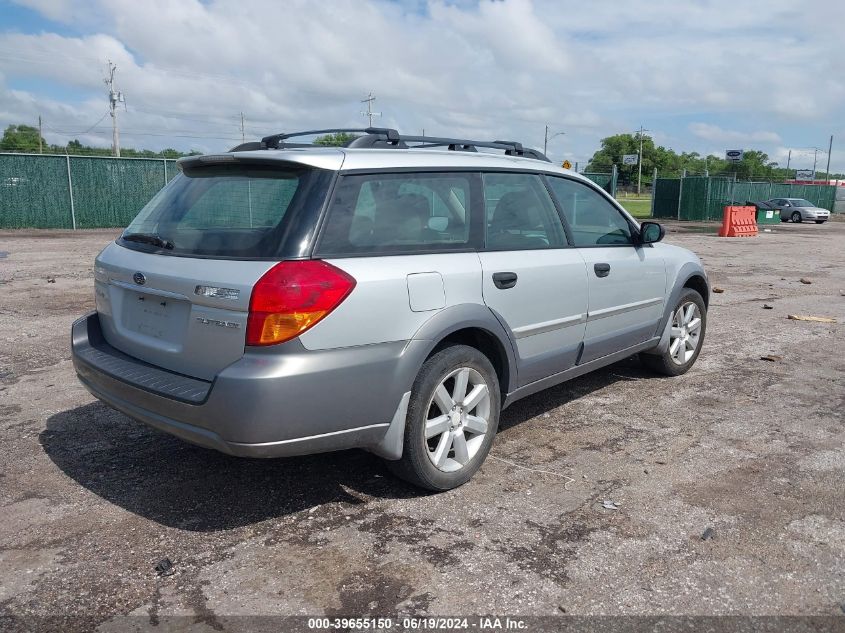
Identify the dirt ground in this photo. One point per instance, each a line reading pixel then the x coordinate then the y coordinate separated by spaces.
pixel 749 450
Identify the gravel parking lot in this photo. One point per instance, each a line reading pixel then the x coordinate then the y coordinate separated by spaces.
pixel 749 451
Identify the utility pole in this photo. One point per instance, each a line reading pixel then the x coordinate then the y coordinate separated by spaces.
pixel 115 97
pixel 369 113
pixel 547 138
pixel 243 134
pixel 640 161
pixel 829 152
pixel 815 158
pixel 788 160
pixel 41 150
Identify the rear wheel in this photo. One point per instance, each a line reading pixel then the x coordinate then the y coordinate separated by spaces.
pixel 689 322
pixel 796 217
pixel 452 419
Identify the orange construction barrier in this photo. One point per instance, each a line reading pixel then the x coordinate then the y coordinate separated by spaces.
pixel 739 222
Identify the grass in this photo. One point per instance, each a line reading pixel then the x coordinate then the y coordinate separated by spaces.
pixel 638 207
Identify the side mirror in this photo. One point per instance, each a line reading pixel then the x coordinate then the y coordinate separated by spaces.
pixel 651 232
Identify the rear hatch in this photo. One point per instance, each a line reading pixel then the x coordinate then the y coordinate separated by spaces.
pixel 174 289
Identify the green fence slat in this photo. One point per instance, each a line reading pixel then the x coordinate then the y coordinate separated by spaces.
pixel 34 192
pixel 605 181
pixel 666 192
pixel 109 192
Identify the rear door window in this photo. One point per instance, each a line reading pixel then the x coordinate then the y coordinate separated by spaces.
pixel 408 212
pixel 257 211
pixel 520 214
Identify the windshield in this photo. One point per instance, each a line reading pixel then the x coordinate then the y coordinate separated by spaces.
pixel 800 202
pixel 243 211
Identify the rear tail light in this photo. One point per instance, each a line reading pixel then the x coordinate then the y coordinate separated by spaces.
pixel 292 297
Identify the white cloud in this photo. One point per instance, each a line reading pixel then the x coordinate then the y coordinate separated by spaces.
pixel 714 133
pixel 488 69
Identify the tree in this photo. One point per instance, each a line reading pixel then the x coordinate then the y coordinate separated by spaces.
pixel 24 138
pixel 755 164
pixel 614 147
pixel 334 140
pixel 20 138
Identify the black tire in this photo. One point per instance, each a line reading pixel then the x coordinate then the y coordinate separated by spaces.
pixel 415 466
pixel 663 363
pixel 795 217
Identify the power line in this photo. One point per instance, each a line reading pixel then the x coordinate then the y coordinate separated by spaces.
pixel 131 132
pixel 184 116
pixel 55 131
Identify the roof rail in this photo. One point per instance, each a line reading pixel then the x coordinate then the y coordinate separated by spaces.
pixel 378 137
pixel 275 140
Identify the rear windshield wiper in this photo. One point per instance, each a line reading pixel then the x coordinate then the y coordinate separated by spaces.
pixel 149 238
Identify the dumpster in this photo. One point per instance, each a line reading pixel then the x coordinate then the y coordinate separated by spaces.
pixel 766 213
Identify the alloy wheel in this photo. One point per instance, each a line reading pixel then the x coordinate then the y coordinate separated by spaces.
pixel 685 335
pixel 458 419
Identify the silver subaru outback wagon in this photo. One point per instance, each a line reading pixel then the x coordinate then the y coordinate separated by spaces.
pixel 394 295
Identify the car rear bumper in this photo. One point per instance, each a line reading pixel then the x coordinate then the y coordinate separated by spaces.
pixel 273 402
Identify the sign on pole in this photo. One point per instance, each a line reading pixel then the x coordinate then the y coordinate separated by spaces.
pixel 734 155
pixel 803 174
pixel 630 159
pixel 566 165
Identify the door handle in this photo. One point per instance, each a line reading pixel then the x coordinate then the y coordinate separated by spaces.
pixel 602 270
pixel 503 281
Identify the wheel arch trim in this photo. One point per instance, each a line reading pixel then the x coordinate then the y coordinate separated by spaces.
pixel 433 332
pixel 688 272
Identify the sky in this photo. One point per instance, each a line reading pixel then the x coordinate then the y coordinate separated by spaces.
pixel 704 76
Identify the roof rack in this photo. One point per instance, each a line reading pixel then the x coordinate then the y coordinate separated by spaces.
pixel 388 138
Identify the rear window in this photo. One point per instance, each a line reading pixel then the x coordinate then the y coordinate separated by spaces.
pixel 238 211
pixel 395 213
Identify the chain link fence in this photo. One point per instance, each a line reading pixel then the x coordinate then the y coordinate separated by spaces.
pixel 77 192
pixel 703 198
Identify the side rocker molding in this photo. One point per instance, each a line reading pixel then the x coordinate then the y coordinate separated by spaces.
pixel 574 372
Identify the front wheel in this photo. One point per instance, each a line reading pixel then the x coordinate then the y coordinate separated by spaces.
pixel 796 217
pixel 689 322
pixel 453 415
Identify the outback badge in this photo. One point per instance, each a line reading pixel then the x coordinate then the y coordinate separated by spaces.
pixel 230 324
